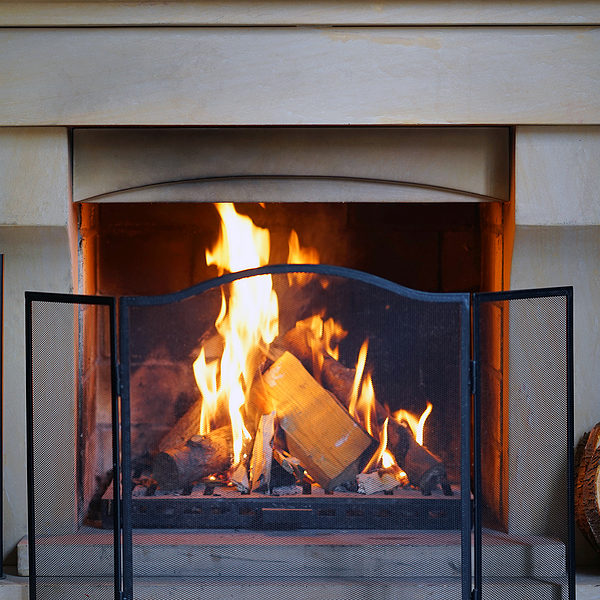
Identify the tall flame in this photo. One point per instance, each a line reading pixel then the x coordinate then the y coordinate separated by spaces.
pixel 247 322
pixel 360 367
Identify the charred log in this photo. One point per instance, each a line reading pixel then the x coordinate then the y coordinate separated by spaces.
pixel 424 469
pixel 200 456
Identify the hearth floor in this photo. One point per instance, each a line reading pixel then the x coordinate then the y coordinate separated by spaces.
pixel 298 562
pixel 307 588
pixel 302 553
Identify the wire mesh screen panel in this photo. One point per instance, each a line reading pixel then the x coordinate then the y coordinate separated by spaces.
pixel 70 389
pixel 524 387
pixel 274 433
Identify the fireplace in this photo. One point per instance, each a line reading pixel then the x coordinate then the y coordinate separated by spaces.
pixel 433 347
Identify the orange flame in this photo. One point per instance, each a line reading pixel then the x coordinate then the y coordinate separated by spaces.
pixel 299 255
pixel 417 424
pixel 323 338
pixel 360 367
pixel 381 449
pixel 365 406
pixel 247 322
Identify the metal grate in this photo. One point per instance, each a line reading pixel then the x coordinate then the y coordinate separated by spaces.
pixel 525 499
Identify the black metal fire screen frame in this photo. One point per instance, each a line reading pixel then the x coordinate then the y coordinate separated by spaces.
pixel 474 578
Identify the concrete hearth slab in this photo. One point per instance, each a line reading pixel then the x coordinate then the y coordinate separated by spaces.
pixel 16 588
pixel 302 553
pixel 308 588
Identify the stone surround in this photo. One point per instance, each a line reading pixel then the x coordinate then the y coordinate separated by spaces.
pixel 533 67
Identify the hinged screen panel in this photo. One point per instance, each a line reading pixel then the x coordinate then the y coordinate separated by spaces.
pixel 523 345
pixel 72 416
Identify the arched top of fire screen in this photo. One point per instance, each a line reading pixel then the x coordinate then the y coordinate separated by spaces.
pixel 325 270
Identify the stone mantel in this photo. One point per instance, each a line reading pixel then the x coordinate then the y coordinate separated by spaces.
pixel 532 65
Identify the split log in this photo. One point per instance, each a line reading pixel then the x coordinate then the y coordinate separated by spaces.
pixel 200 456
pixel 330 445
pixel 262 454
pixel 380 481
pixel 335 377
pixel 186 427
pixel 424 469
pixel 587 489
pixel 239 478
pixel 160 392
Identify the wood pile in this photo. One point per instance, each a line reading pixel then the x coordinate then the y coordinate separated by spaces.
pixel 298 416
pixel 587 488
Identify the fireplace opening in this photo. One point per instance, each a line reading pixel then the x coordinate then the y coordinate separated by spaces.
pixel 131 249
pixel 157 248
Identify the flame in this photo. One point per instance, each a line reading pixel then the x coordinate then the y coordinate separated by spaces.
pixel 323 338
pixel 383 437
pixel 387 459
pixel 247 322
pixel 360 367
pixel 417 425
pixel 365 406
pixel 299 255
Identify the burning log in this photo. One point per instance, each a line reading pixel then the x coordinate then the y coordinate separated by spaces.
pixel 319 431
pixel 200 456
pixel 161 391
pixel 185 428
pixel 382 480
pixel 424 469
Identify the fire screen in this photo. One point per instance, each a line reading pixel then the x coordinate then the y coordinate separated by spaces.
pixel 300 406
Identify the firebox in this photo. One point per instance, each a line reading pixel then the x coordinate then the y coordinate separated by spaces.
pixel 320 407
